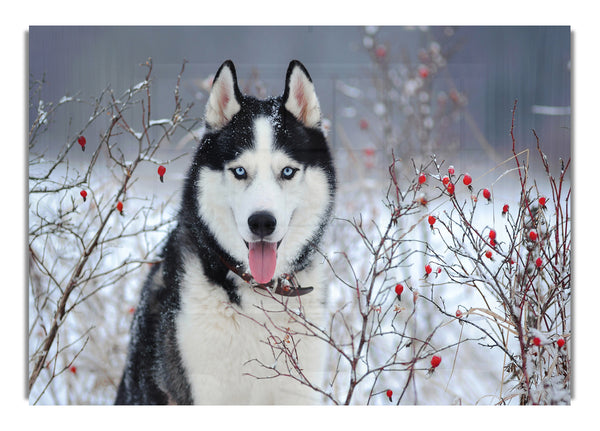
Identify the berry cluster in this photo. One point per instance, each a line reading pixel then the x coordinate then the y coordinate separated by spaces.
pixel 82 141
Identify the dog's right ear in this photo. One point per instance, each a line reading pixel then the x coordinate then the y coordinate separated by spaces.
pixel 299 96
pixel 223 101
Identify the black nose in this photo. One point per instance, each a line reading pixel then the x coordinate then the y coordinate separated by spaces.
pixel 262 223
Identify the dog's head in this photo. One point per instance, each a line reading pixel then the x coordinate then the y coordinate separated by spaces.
pixel 265 182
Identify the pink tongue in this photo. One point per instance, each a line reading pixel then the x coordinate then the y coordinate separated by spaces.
pixel 263 258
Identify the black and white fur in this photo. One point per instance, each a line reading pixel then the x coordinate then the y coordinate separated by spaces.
pixel 197 336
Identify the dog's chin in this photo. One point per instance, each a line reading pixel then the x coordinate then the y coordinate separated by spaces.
pixel 262 259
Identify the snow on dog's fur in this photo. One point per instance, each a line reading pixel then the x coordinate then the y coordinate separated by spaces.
pixel 256 200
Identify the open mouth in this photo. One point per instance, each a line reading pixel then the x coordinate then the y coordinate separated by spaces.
pixel 262 256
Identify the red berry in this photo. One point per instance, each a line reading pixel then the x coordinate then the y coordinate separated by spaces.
pixel 428 269
pixel 161 172
pixel 450 189
pixel 389 393
pixel 492 234
pixel 399 289
pixel 542 202
pixel 450 170
pixel 533 235
pixel 537 341
pixel 446 180
pixel 538 262
pixel 458 313
pixel 120 207
pixel 380 51
pixel 369 152
pixel 560 342
pixel 467 180
pixel 83 194
pixel 487 194
pixel 423 72
pixel 431 220
pixel 73 369
pixel 488 254
pixel 504 209
pixel 364 124
pixel 81 141
pixel 435 361
pixel 422 178
pixel 492 242
pixel 454 96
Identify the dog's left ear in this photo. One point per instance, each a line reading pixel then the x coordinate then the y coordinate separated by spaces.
pixel 300 97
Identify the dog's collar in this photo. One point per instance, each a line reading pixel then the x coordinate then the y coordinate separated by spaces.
pixel 286 285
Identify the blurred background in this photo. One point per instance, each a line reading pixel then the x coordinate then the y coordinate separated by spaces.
pixel 488 67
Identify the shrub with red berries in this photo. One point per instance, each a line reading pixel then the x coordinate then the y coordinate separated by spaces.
pixel 524 273
pixel 81 258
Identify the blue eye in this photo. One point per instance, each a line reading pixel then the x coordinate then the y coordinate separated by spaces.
pixel 239 173
pixel 288 173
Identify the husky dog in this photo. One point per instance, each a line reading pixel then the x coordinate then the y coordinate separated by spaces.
pixel 240 264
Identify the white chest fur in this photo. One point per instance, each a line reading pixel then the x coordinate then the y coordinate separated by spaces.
pixel 226 349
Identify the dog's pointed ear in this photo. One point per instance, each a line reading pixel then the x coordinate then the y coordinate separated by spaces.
pixel 224 99
pixel 300 97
